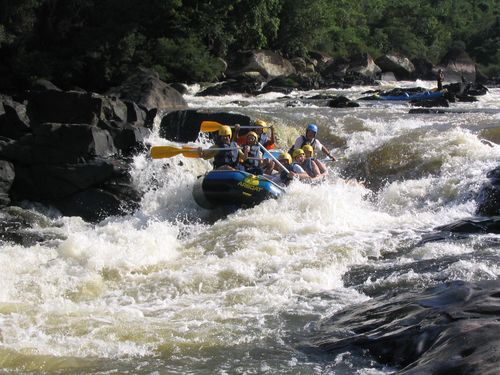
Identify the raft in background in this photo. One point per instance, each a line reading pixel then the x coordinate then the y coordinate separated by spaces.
pixel 427 95
pixel 233 188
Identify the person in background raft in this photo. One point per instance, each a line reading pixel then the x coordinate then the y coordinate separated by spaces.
pixel 440 79
pixel 252 156
pixel 224 159
pixel 311 165
pixel 310 138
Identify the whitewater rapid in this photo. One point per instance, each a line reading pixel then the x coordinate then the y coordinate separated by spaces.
pixel 174 288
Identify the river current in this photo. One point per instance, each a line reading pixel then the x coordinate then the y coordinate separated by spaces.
pixel 177 289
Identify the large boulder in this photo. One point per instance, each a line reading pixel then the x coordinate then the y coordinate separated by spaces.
pixel 147 90
pixel 401 66
pixel 364 65
pixel 59 144
pixel 451 328
pixel 184 126
pixel 457 66
pixel 7 175
pixel 72 107
pixel 14 121
pixel 423 69
pixel 268 63
pixel 488 198
pixel 51 182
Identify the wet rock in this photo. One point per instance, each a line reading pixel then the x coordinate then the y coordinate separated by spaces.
pixel 452 328
pixel 14 121
pixel 243 85
pixel 147 90
pixel 401 66
pixel 488 198
pixel 266 62
pixel 438 102
pixel 184 126
pixel 342 102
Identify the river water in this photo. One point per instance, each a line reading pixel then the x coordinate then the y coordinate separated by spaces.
pixel 176 289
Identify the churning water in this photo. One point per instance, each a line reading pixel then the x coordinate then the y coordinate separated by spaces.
pixel 176 289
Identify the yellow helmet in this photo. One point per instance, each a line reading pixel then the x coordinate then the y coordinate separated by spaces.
pixel 298 152
pixel 225 130
pixel 286 156
pixel 253 134
pixel 260 123
pixel 308 148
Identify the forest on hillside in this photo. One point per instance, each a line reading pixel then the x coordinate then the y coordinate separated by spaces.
pixel 95 44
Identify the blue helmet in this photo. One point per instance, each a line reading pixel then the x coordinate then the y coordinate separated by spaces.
pixel 312 127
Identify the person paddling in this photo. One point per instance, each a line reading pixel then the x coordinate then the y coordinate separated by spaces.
pixel 252 156
pixel 310 138
pixel 312 165
pixel 224 159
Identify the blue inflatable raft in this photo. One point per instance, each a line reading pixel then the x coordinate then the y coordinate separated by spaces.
pixel 233 188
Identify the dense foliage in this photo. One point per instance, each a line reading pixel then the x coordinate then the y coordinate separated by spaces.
pixel 95 44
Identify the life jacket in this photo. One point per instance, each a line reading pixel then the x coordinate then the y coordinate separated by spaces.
pixel 305 141
pixel 264 140
pixel 308 166
pixel 223 157
pixel 253 153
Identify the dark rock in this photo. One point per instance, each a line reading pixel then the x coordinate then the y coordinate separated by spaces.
pixel 448 329
pixel 438 102
pixel 266 62
pixel 426 111
pixel 59 143
pixel 184 126
pixel 14 121
pixel 147 90
pixel 401 66
pixel 22 227
pixel 457 65
pixel 488 198
pixel 363 65
pixel 47 182
pixel 92 205
pixel 128 139
pixel 423 69
pixel 242 86
pixel 342 102
pixel 181 87
pixel 7 175
pixel 74 108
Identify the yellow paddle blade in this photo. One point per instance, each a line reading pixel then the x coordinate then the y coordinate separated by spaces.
pixel 162 152
pixel 210 126
pixel 190 152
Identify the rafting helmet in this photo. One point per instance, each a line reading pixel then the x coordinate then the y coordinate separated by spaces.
pixel 261 123
pixel 225 130
pixel 298 152
pixel 308 148
pixel 313 128
pixel 253 134
pixel 286 156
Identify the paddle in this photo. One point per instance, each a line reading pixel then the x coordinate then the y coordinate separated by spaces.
pixel 272 157
pixel 213 126
pixel 161 152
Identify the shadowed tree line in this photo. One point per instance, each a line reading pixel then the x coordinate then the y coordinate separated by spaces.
pixel 96 44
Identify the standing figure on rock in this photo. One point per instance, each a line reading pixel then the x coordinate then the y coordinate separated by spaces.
pixel 440 79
